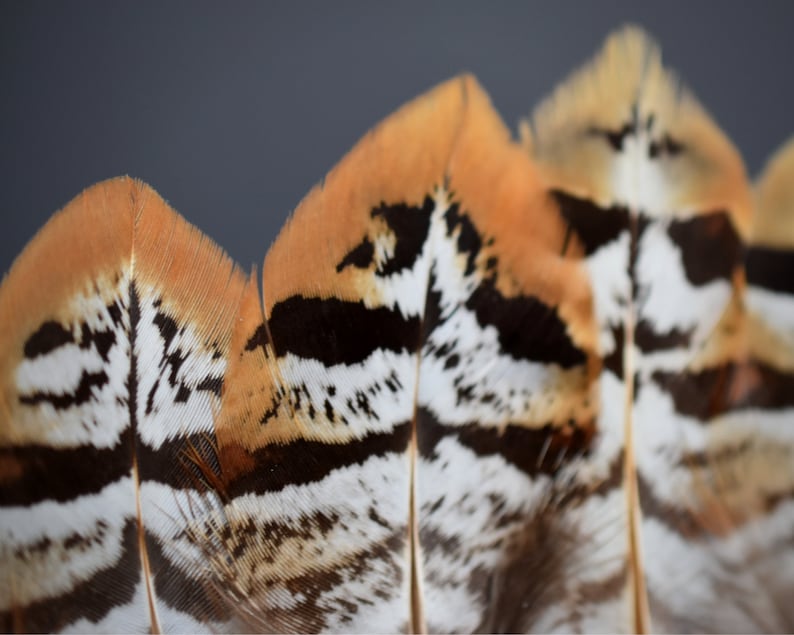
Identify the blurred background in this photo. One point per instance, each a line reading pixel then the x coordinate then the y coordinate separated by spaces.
pixel 233 110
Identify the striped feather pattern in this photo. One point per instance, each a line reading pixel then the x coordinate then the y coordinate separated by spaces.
pixel 486 385
pixel 109 383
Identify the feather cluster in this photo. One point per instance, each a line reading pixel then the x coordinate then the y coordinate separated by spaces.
pixel 488 385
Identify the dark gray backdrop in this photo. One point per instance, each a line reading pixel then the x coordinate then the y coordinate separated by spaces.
pixel 232 111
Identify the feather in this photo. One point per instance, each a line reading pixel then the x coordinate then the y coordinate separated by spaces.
pixel 115 331
pixel 669 297
pixel 486 385
pixel 405 382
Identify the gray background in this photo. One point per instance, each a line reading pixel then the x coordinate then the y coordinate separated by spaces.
pixel 232 111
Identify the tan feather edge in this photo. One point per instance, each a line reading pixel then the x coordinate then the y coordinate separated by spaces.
pixel 774 194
